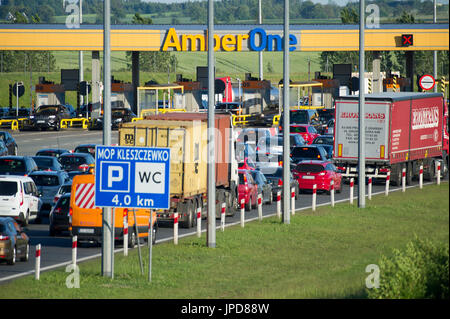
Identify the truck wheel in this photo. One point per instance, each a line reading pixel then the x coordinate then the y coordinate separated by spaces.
pixel 187 222
pixel 396 175
pixel 429 171
pixel 409 173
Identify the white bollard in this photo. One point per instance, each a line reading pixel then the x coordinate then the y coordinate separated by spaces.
pixel 175 228
pixel 222 216
pixel 438 175
pixel 74 250
pixel 38 262
pixel 242 212
pixel 403 180
pixel 332 193
pixel 199 222
pixel 421 177
pixel 279 204
pixel 314 197
pixel 352 183
pixel 260 206
pixel 125 232
pixel 369 186
pixel 293 200
pixel 388 177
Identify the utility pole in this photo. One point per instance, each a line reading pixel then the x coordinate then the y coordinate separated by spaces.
pixel 80 53
pixel 362 133
pixel 286 128
pixel 211 234
pixel 260 53
pixel 434 52
pixel 107 230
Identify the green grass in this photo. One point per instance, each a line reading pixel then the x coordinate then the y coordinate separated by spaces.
pixel 234 64
pixel 319 255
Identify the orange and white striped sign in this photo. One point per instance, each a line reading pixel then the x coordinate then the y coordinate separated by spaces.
pixel 84 196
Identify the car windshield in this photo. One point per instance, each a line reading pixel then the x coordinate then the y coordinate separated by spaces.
pixel 306 152
pixel 324 140
pixel 241 178
pixel 272 173
pixel 118 112
pixel 72 160
pixel 299 117
pixel 2 228
pixel 65 189
pixel 64 203
pixel 43 110
pixel 45 180
pixel 8 188
pixel 325 115
pixel 313 168
pixel 298 129
pixel 85 149
pixel 12 165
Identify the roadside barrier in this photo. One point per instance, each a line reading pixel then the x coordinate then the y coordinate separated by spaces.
pixel 243 212
pixel 134 119
pixel 332 193
pixel 241 119
pixel 293 201
pixel 222 216
pixel 314 197
pixel 276 120
pixel 260 206
pixel 65 123
pixel 37 262
pixel 199 222
pixel 279 204
pixel 388 177
pixel 175 228
pixel 421 177
pixel 438 174
pixel 403 180
pixel 370 188
pixel 125 232
pixel 14 124
pixel 74 250
pixel 352 183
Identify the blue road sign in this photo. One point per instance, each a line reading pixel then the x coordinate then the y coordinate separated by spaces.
pixel 132 177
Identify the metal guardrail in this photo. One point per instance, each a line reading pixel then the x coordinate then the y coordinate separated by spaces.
pixel 65 123
pixel 276 120
pixel 241 119
pixel 160 110
pixel 13 122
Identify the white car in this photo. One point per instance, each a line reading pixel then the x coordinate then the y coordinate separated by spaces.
pixel 19 198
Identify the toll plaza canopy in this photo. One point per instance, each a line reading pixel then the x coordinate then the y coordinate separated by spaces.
pixel 386 37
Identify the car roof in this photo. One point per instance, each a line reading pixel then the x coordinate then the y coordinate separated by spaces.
pixel 6 219
pixel 15 178
pixel 52 150
pixel 316 162
pixel 18 157
pixel 87 145
pixel 46 173
pixel 305 125
pixel 44 156
pixel 76 154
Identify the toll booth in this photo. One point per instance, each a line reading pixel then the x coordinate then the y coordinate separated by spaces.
pixel 192 94
pixel 300 94
pixel 325 94
pixel 396 84
pixel 121 94
pixel 160 98
pixel 255 96
pixel 49 93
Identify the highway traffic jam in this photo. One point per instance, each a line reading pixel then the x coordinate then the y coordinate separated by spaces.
pixel 47 195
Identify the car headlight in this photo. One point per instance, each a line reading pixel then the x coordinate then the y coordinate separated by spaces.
pixel 52 117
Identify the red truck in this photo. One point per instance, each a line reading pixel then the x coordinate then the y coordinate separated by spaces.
pixel 403 130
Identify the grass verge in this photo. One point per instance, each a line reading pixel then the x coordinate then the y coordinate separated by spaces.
pixel 319 255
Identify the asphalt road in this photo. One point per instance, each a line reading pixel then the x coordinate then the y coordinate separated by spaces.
pixel 56 251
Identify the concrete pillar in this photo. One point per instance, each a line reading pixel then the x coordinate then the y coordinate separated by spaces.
pixel 135 78
pixel 96 84
pixel 410 70
pixel 377 82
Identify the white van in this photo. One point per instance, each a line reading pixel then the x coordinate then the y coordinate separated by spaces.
pixel 19 198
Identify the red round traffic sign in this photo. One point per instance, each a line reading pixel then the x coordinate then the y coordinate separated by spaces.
pixel 427 82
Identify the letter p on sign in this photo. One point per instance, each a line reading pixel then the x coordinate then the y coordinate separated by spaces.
pixel 115 174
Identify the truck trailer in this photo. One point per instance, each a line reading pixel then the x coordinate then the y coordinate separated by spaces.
pixel 403 130
pixel 186 135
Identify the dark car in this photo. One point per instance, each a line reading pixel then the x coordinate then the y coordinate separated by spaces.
pixel 264 187
pixel 295 140
pixel 275 177
pixel 119 115
pixel 55 152
pixel 86 148
pixel 295 117
pixel 48 184
pixel 59 215
pixel 323 139
pixel 13 241
pixel 10 142
pixel 17 165
pixel 303 153
pixel 229 107
pixel 328 149
pixel 324 115
pixel 50 116
pixel 47 163
pixel 76 161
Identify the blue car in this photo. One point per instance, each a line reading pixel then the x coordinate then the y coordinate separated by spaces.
pixel 47 163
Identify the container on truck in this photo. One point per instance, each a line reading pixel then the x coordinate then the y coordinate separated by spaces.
pixel 403 130
pixel 186 135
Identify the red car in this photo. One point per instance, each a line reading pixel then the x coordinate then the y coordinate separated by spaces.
pixel 308 132
pixel 320 173
pixel 247 189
